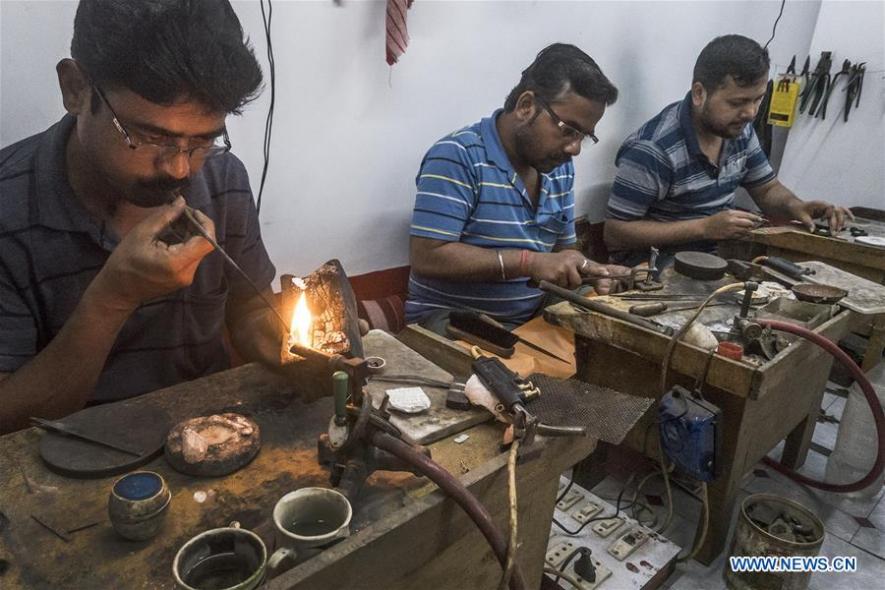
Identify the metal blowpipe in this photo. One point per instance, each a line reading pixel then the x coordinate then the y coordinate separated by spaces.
pixel 198 227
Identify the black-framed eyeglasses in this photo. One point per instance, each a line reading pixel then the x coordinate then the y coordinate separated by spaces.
pixel 568 132
pixel 167 147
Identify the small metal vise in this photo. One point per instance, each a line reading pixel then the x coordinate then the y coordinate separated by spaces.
pixel 346 447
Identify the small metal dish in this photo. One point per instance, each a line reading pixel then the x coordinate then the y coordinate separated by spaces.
pixel 375 364
pixel 137 504
pixel 814 293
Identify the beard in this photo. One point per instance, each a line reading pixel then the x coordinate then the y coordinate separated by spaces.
pixel 150 193
pixel 529 150
pixel 728 130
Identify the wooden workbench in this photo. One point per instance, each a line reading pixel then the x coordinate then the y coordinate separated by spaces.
pixel 761 405
pixel 842 251
pixel 407 533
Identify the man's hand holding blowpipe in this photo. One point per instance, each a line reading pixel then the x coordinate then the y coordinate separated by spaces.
pixel 144 267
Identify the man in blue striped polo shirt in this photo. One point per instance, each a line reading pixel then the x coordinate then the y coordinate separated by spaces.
pixel 98 301
pixel 495 204
pixel 677 174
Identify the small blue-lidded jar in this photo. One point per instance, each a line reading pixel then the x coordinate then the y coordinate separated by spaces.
pixel 137 504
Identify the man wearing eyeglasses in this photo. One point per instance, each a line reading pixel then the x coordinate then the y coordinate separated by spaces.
pixel 101 298
pixel 677 175
pixel 495 205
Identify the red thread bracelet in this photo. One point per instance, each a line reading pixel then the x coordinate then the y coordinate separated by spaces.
pixel 523 262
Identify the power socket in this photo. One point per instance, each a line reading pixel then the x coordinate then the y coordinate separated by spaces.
pixel 602 574
pixel 572 498
pixel 559 552
pixel 628 543
pixel 584 512
pixel 606 527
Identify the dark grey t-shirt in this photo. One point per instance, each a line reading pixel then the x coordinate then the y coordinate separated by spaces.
pixel 51 249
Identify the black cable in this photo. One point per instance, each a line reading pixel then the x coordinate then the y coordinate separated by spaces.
pixel 584 525
pixel 571 482
pixel 267 19
pixel 774 27
pixel 565 563
pixel 702 378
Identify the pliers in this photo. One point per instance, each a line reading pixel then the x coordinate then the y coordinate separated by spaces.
pixel 818 84
pixel 846 70
pixel 783 85
pixel 854 86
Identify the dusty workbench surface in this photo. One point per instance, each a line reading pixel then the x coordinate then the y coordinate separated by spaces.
pixel 761 404
pixel 392 515
pixel 841 250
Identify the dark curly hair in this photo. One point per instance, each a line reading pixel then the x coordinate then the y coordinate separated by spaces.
pixel 168 50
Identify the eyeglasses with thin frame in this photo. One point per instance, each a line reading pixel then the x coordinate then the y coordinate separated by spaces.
pixel 568 132
pixel 170 147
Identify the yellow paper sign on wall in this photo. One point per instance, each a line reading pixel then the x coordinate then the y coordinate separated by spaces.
pixel 783 102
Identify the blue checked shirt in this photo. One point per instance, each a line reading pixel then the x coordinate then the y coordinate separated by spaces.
pixel 51 249
pixel 664 176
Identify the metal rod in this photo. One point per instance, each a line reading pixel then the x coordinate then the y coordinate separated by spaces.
pixel 603 309
pixel 204 233
pixel 51 529
pixel 66 430
pixel 198 227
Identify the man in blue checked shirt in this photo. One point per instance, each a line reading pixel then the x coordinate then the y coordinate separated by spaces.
pixel 677 174
pixel 99 301
pixel 495 205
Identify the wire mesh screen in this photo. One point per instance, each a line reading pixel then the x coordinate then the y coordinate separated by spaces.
pixel 608 414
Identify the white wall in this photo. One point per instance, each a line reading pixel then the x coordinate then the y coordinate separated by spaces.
pixel 844 162
pixel 349 133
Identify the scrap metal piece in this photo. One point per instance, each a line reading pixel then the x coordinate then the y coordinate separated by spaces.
pixel 61 535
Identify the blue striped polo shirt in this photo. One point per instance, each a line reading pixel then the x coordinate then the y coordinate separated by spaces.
pixel 664 176
pixel 469 192
pixel 51 248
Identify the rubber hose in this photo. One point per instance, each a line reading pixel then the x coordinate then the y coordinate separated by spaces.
pixel 870 395
pixel 456 490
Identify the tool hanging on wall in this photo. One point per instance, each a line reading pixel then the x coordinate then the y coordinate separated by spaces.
pixel 817 86
pixel 846 69
pixel 806 71
pixel 854 86
pixel 783 99
pixel 762 124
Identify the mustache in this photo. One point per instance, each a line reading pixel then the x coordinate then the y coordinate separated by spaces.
pixel 165 185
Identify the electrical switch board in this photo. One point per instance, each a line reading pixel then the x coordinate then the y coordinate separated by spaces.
pixel 627 543
pixel 629 556
pixel 570 499
pixel 584 511
pixel 590 572
pixel 606 527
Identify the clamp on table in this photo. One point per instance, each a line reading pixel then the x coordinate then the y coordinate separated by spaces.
pixel 513 393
